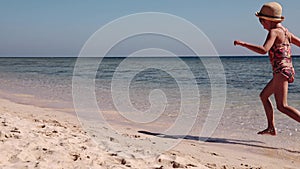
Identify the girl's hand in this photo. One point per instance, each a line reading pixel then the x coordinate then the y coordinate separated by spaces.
pixel 237 42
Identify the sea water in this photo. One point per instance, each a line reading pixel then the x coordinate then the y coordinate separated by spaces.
pixel 47 82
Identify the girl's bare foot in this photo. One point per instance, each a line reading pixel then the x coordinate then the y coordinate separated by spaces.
pixel 268 131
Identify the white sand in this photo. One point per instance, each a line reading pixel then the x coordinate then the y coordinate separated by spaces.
pixel 33 137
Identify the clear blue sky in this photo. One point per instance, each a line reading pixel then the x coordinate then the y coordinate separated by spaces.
pixel 61 27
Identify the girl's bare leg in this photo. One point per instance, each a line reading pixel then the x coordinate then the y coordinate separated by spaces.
pixel 264 96
pixel 281 93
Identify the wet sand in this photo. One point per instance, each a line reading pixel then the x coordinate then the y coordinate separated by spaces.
pixel 34 137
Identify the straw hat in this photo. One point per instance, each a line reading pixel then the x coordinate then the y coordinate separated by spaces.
pixel 271 11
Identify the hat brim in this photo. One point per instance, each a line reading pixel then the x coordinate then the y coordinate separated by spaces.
pixel 270 18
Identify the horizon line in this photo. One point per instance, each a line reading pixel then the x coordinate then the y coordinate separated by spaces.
pixel 120 56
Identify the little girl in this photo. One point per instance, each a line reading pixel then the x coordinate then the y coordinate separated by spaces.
pixel 278 45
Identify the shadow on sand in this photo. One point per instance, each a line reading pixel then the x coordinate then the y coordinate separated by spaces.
pixel 250 143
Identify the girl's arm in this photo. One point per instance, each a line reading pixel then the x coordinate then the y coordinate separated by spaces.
pixel 260 49
pixel 295 40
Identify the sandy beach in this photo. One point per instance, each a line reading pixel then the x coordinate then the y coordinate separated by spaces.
pixel 33 137
pixel 149 85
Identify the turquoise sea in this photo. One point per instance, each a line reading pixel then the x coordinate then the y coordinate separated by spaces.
pixel 47 82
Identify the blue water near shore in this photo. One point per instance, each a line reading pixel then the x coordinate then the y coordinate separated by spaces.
pixel 245 73
pixel 47 82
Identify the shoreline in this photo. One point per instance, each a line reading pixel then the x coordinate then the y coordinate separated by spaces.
pixel 45 138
